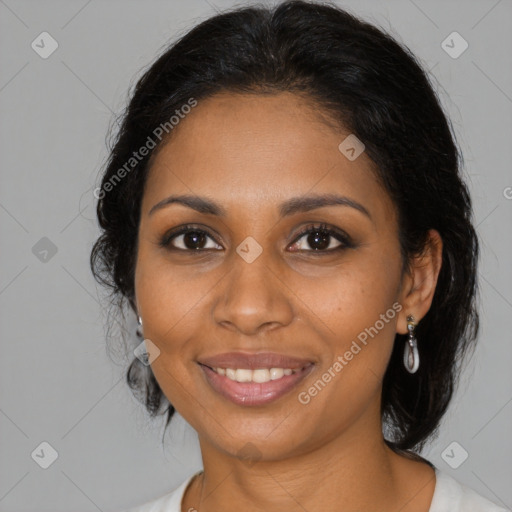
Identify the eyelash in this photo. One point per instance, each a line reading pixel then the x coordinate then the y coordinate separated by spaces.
pixel 340 236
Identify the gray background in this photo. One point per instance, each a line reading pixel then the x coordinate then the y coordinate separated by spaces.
pixel 57 382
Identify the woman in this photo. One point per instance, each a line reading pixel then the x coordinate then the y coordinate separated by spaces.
pixel 283 211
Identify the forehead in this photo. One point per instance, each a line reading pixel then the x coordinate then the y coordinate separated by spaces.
pixel 257 150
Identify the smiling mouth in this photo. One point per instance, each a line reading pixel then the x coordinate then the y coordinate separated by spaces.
pixel 254 387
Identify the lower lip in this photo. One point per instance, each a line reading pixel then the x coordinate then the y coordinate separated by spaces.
pixel 254 393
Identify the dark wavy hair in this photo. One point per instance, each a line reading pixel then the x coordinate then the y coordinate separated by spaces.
pixel 374 87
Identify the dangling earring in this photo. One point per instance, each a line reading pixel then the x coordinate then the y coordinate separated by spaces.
pixel 139 329
pixel 411 354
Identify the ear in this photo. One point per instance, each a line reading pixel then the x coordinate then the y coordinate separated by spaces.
pixel 419 284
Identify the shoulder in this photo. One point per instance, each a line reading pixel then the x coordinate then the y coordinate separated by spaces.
pixel 170 502
pixel 451 495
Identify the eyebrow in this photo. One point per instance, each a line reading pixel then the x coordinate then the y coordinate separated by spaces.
pixel 289 207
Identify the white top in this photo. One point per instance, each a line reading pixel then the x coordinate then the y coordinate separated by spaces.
pixel 449 496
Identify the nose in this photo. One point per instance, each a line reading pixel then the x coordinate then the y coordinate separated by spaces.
pixel 253 298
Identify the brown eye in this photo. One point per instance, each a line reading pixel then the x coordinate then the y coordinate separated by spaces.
pixel 194 240
pixel 321 239
pixel 189 239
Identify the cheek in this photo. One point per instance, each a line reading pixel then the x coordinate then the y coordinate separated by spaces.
pixel 169 297
pixel 356 350
pixel 175 305
pixel 353 297
pixel 171 317
pixel 359 309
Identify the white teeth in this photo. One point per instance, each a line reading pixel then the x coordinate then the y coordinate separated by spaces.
pixel 243 375
pixel 260 375
pixel 276 373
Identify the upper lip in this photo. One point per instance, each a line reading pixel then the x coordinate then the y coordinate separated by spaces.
pixel 253 361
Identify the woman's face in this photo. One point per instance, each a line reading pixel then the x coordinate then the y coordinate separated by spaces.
pixel 249 283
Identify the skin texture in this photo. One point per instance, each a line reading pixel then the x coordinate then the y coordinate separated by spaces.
pixel 249 153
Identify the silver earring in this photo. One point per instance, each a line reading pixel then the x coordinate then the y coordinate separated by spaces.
pixel 139 328
pixel 411 354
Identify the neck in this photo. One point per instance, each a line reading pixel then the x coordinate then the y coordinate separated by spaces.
pixel 347 470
